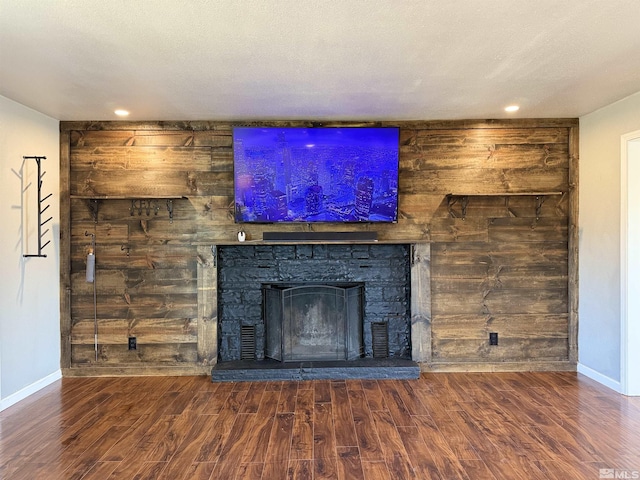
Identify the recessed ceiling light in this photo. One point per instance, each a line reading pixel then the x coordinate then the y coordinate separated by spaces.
pixel 512 108
pixel 121 113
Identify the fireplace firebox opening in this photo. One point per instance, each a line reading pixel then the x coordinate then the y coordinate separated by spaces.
pixel 313 322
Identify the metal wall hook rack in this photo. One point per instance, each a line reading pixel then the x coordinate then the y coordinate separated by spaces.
pixel 144 205
pixel 40 209
pixel 148 205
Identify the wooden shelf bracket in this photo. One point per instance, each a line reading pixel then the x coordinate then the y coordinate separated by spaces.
pixel 452 199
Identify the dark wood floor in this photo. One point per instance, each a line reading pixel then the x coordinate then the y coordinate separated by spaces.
pixel 445 426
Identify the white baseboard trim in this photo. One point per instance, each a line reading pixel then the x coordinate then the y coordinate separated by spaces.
pixel 600 378
pixel 29 390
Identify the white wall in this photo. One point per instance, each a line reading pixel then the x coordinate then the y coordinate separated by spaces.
pixel 29 287
pixel 630 370
pixel 599 310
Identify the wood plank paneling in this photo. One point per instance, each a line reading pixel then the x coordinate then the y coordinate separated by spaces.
pixel 153 355
pixel 442 156
pixel 151 183
pixel 490 136
pixel 147 331
pixel 481 181
pixel 508 258
pixel 138 158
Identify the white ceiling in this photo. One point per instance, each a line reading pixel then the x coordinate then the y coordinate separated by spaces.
pixel 318 59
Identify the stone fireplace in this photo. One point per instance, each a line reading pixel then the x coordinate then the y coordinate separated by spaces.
pixel 313 302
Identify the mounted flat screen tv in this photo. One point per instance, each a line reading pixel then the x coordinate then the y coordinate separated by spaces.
pixel 342 174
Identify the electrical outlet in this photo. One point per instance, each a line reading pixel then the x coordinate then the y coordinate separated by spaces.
pixel 133 344
pixel 493 338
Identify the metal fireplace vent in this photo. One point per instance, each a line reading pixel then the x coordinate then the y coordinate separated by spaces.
pixel 380 339
pixel 248 342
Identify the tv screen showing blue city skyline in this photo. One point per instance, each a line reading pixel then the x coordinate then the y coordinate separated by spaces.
pixel 346 174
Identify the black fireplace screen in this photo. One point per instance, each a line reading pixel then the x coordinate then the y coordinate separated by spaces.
pixel 313 322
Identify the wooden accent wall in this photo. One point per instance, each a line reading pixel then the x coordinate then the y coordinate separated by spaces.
pixel 495 201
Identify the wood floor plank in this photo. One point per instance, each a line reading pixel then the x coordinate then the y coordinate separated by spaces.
pixel 353 384
pixel 325 469
pixel 349 464
pixel 249 471
pixel 200 401
pixel 420 454
pixel 477 470
pixel 100 471
pixel 123 447
pixel 97 449
pixel 234 446
pixel 210 449
pixel 173 439
pixel 280 441
pixel 252 400
pixel 342 416
pixel 560 470
pixel 304 401
pixel 276 461
pixel 198 430
pixel 324 443
pixel 273 386
pixel 156 446
pixel 399 412
pixel 374 395
pixel 322 390
pixel 150 470
pixel 551 425
pixel 302 434
pixel 366 432
pixel 376 470
pixel 440 421
pixel 496 405
pixel 199 471
pixel 300 470
pixel 410 398
pixel 288 394
pixel 474 434
pixel 180 403
pixel 392 447
pixel 219 400
pixel 515 467
pixel 256 449
pixel 441 451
